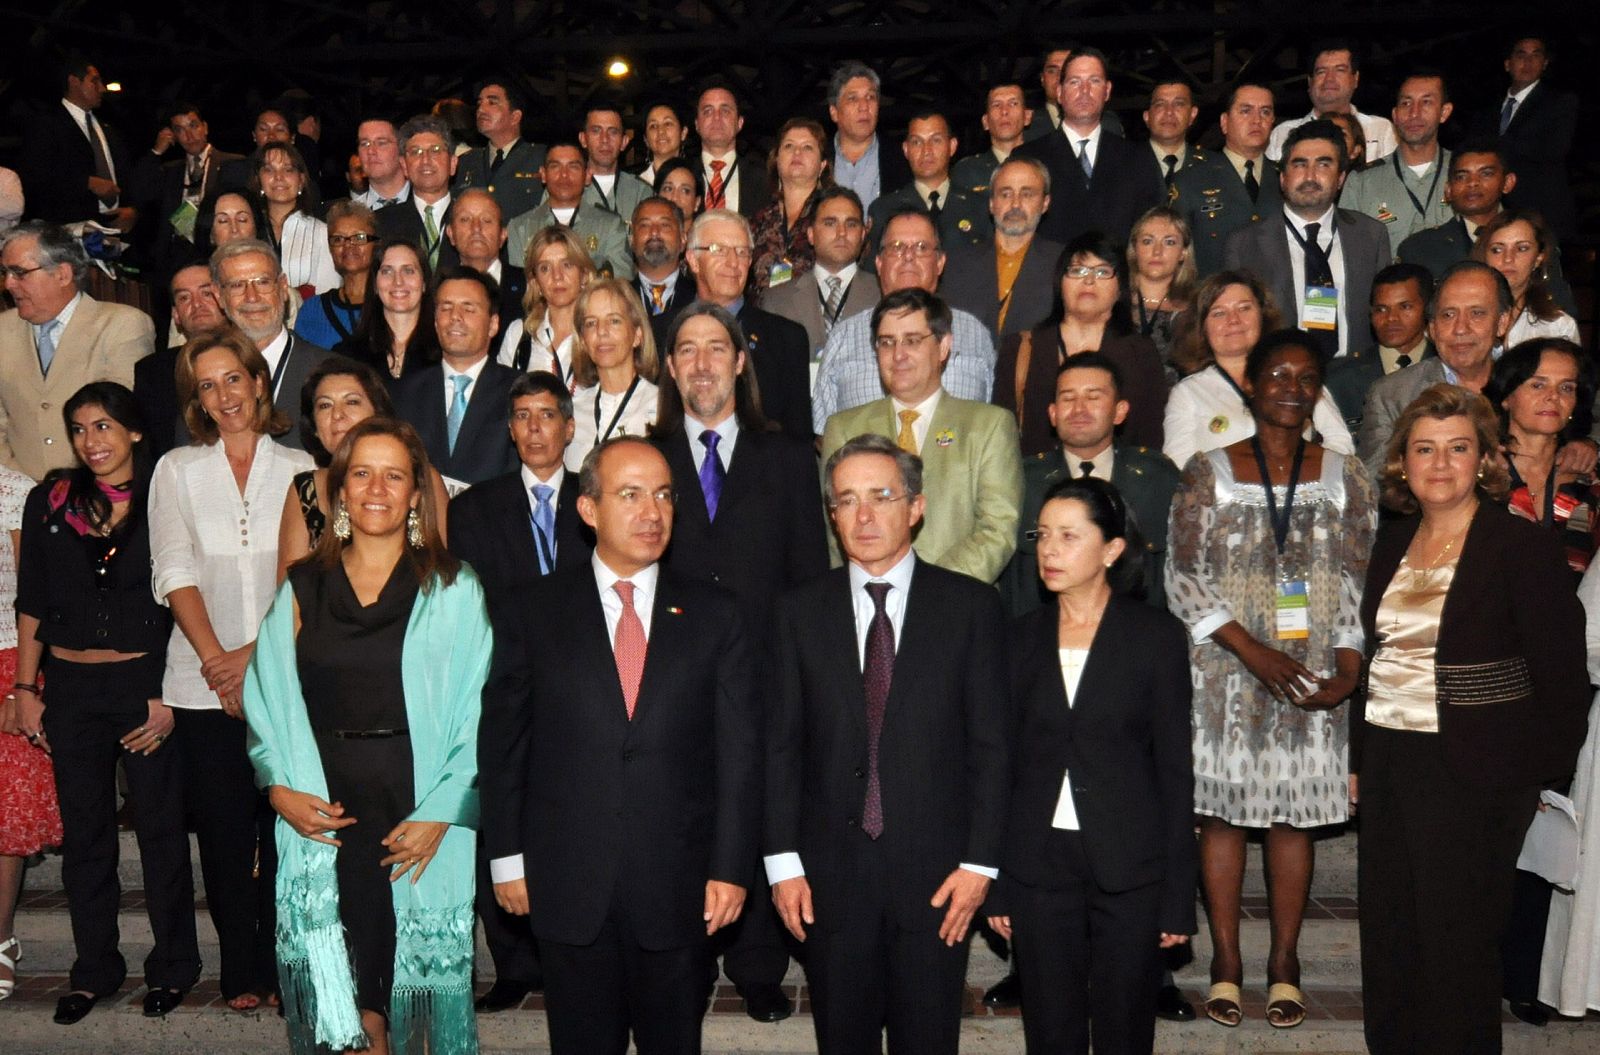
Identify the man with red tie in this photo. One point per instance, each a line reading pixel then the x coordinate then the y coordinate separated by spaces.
pixel 621 755
pixel 732 180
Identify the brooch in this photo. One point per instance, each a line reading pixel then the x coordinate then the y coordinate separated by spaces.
pixel 944 437
pixel 594 243
pixel 1219 424
pixel 964 226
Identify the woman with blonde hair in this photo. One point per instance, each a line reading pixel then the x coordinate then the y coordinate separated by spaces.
pixel 1162 277
pixel 558 269
pixel 614 367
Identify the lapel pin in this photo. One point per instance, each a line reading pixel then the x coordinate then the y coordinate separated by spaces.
pixel 674 609
pixel 945 437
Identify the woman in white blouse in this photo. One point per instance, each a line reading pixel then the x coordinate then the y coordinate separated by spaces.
pixel 214 512
pixel 614 363
pixel 1207 410
pixel 281 178
pixel 1517 243
pixel 558 269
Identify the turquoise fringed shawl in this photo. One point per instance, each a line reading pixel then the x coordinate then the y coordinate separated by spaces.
pixel 444 664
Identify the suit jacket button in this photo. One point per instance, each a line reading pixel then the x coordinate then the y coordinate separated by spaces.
pixel 860 773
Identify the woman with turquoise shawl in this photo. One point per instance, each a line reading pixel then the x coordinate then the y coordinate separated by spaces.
pixel 362 699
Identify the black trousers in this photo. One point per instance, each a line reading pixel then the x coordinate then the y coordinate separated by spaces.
pixel 1088 961
pixel 1435 875
pixel 89 708
pixel 238 857
pixel 510 941
pixel 596 995
pixel 882 970
pixel 755 949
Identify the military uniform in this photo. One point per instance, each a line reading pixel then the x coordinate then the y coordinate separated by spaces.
pixel 975 172
pixel 602 233
pixel 1389 192
pixel 515 184
pixel 963 217
pixel 1211 196
pixel 626 194
pixel 1146 481
pixel 1351 376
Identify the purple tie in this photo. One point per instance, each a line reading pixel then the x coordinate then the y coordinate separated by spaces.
pixel 711 473
pixel 877 674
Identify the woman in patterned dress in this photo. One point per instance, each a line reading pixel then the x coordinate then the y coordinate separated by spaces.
pixel 781 232
pixel 1269 583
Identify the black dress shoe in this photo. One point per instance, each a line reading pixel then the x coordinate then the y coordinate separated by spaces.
pixel 157 1002
pixel 72 1007
pixel 1007 992
pixel 505 993
pixel 1531 1011
pixel 1171 1005
pixel 766 1002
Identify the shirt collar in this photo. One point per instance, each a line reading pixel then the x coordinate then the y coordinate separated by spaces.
pixel 440 207
pixel 555 481
pixel 78 113
pixel 943 189
pixel 1521 97
pixel 707 157
pixel 644 580
pixel 1075 138
pixel 275 348
pixel 63 316
pixel 1102 462
pixel 925 409
pixel 845 275
pixel 1238 160
pixel 1300 225
pixel 727 430
pixel 474 371
pixel 898 576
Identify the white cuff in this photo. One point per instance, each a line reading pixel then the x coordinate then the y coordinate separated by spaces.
pixel 983 870
pixel 1208 625
pixel 783 866
pixel 506 869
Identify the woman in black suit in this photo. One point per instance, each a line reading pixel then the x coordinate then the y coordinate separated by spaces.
pixel 1476 698
pixel 1098 868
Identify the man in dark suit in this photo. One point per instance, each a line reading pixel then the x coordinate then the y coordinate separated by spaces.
pixel 1314 246
pixel 1535 123
pixel 719 258
pixel 836 287
pixel 168 193
pixel 508 166
pixel 749 519
pixel 862 159
pixel 732 180
pixel 255 296
pixel 961 216
pixel 1098 180
pixel 195 309
pixel 460 407
pixel 888 767
pixel 1400 296
pixel 514 530
pixel 1016 256
pixel 70 163
pixel 655 238
pixel 1234 187
pixel 620 753
pixel 476 238
pixel 428 148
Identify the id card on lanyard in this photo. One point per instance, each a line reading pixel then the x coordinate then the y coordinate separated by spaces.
pixel 1291 600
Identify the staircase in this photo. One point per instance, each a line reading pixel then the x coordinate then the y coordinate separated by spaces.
pixel 1329 955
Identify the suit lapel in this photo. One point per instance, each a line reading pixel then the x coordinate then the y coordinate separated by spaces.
pixel 743 471
pixel 516 519
pixel 837 623
pixel 920 636
pixel 668 642
pixel 1098 677
pixel 680 459
pixel 589 620
pixel 480 404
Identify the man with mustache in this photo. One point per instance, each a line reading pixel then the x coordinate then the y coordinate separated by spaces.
pixel 656 241
pixel 1007 284
pixel 1318 262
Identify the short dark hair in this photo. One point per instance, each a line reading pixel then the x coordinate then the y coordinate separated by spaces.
pixel 1505 298
pixel 536 382
pixel 1088 53
pixel 915 298
pixel 1093 361
pixel 1521 362
pixel 1395 274
pixel 909 464
pixel 835 191
pixel 569 142
pixel 1326 44
pixel 928 113
pixel 424 124
pixel 77 64
pixel 516 98
pixel 1425 73
pixel 1273 343
pixel 656 199
pixel 336 366
pixel 717 82
pixel 463 273
pixel 1480 144
pixel 1323 129
pixel 1233 93
pixel 1181 82
pixel 173 111
pixel 1109 512
pixel 605 104
pixel 1528 34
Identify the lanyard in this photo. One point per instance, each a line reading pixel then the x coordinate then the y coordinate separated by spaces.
pixel 1147 322
pixel 844 295
pixel 605 202
pixel 1280 528
pixel 1333 234
pixel 1422 209
pixel 546 551
pixel 601 437
pixel 1243 398
pixel 283 362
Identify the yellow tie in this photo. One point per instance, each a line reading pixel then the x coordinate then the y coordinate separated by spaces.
pixel 907 440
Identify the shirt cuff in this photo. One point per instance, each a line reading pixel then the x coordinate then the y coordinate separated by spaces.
pixel 1204 628
pixel 783 866
pixel 506 869
pixel 983 870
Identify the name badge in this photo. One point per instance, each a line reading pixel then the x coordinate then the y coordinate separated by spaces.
pixel 780 272
pixel 1321 311
pixel 1293 611
pixel 183 219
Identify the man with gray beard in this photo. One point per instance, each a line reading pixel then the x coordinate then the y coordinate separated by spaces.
pixel 1008 284
pixel 656 240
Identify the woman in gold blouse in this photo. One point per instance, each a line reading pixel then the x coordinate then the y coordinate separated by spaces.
pixel 1476 696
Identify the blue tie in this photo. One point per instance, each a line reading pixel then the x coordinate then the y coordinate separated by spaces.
pixel 1505 113
pixel 711 473
pixel 1083 159
pixel 458 409
pixel 544 527
pixel 47 344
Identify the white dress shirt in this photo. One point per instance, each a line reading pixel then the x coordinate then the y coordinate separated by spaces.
pixel 1527 326
pixel 1075 138
pixel 80 115
pixel 919 427
pixel 473 372
pixel 788 865
pixel 591 405
pixel 371 196
pixel 304 254
pixel 510 868
pixel 1520 97
pixel 539 348
pixel 204 533
pixel 1381 141
pixel 1328 239
pixel 730 186
pixel 727 437
pixel 273 353
pixel 530 480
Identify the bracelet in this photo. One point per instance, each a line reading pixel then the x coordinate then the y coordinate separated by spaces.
pixel 24 687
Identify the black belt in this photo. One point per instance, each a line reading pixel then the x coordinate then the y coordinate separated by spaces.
pixel 364 734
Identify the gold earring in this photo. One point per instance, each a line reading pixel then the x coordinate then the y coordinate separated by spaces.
pixel 414 530
pixel 341 523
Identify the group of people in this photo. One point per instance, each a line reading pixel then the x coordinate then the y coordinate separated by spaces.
pixel 458 554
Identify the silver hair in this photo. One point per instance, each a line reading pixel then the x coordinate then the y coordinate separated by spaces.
pixel 1035 164
pixel 713 215
pixel 242 247
pixel 910 465
pixel 423 123
pixel 845 73
pixel 53 247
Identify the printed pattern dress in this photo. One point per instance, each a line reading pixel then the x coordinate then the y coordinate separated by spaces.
pixel 1258 761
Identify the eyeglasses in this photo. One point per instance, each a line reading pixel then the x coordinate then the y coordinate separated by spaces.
pixel 739 252
pixel 262 284
pixel 916 249
pixel 431 151
pixel 368 144
pixel 876 499
pixel 632 496
pixel 910 342
pixel 1082 271
pixel 359 238
pixel 19 273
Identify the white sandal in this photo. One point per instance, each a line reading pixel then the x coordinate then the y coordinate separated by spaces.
pixel 10 953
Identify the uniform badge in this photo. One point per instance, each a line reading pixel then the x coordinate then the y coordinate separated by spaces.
pixel 1219 424
pixel 964 226
pixel 593 243
pixel 1385 215
pixel 944 437
pixel 1211 200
